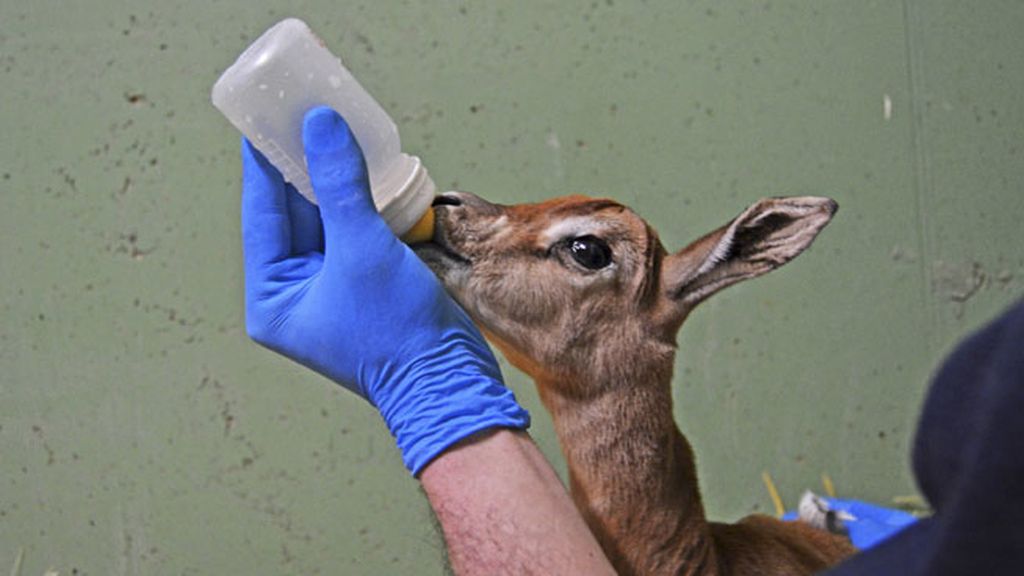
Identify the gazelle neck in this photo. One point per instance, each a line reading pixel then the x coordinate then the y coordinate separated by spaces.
pixel 632 473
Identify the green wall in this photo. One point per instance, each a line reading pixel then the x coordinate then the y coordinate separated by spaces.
pixel 142 433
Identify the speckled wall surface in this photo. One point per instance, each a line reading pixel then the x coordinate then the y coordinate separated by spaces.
pixel 142 433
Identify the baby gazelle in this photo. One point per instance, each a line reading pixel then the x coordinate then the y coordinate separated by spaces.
pixel 580 294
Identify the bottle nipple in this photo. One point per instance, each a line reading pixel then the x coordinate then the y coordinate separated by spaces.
pixel 421 231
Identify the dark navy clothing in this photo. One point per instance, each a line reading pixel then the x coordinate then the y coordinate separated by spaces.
pixel 969 463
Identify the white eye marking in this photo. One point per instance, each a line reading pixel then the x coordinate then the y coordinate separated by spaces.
pixel 571 228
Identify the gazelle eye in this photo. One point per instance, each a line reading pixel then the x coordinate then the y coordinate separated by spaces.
pixel 590 252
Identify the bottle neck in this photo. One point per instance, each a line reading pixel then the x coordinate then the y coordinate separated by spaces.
pixel 404 194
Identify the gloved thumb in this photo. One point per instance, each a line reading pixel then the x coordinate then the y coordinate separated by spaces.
pixel 337 171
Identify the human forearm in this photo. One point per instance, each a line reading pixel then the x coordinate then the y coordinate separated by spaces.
pixel 504 511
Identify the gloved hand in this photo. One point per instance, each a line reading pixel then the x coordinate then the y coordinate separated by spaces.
pixel 866 524
pixel 869 524
pixel 333 289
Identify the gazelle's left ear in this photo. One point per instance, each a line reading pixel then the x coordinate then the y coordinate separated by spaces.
pixel 765 236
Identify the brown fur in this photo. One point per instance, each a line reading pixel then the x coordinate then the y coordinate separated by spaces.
pixel 600 345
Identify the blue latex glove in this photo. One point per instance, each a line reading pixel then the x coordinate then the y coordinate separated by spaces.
pixel 866 524
pixel 333 289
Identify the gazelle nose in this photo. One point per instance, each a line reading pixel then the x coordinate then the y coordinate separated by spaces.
pixel 447 199
pixel 468 202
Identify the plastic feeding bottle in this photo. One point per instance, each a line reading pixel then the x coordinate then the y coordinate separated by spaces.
pixel 288 71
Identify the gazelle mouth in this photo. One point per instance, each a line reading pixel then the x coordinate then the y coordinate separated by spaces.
pixel 439 249
pixel 433 250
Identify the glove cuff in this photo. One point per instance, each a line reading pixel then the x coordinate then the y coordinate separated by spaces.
pixel 434 427
pixel 441 400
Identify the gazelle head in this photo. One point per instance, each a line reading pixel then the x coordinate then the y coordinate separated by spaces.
pixel 576 285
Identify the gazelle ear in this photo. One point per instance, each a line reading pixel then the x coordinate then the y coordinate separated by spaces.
pixel 765 236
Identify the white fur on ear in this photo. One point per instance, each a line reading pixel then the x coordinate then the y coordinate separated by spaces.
pixel 720 253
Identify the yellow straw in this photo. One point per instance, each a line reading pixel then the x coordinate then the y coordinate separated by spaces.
pixel 16 569
pixel 773 493
pixel 830 488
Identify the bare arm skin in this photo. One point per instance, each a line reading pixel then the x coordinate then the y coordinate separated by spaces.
pixel 504 510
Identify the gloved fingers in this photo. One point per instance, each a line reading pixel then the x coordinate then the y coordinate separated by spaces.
pixel 866 511
pixel 307 228
pixel 266 226
pixel 337 171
